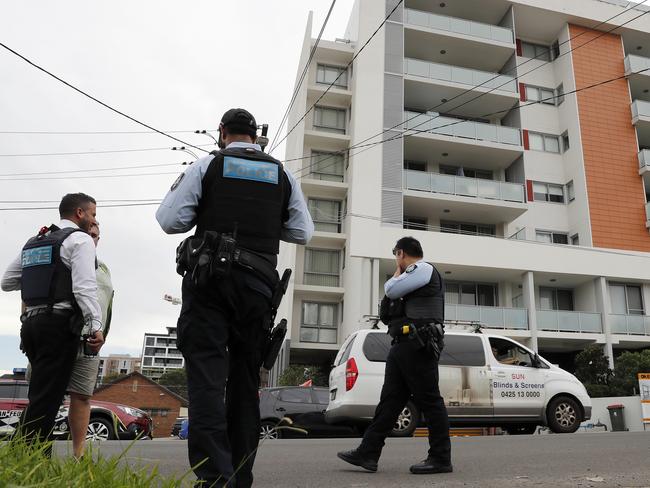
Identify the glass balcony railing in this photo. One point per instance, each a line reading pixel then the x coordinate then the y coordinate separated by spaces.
pixel 450 126
pixel 644 158
pixel 567 321
pixel 462 186
pixel 630 324
pixel 459 26
pixel 456 74
pixel 634 64
pixel 647 212
pixel 492 317
pixel 640 108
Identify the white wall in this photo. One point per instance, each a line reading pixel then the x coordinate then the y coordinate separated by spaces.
pixel 631 413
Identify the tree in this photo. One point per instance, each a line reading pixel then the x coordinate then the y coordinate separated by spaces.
pixel 625 381
pixel 175 380
pixel 592 368
pixel 297 374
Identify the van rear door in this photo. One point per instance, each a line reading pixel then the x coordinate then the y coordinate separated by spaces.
pixel 337 375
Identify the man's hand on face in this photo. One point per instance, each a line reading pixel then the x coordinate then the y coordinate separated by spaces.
pixel 96 341
pixel 397 272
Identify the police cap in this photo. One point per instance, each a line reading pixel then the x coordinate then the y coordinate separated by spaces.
pixel 240 121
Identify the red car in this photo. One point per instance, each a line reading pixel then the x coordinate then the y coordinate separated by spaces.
pixel 107 420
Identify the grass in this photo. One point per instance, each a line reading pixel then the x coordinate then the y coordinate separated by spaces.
pixel 27 466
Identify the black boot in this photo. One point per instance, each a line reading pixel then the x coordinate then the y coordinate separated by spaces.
pixel 429 466
pixel 354 457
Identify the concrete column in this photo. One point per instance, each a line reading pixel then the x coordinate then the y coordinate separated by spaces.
pixel 602 306
pixel 528 291
pixel 374 290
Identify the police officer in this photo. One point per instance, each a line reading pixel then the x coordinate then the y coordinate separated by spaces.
pixel 242 202
pixel 413 309
pixel 56 275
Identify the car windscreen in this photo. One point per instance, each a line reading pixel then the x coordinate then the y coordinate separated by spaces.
pixel 376 347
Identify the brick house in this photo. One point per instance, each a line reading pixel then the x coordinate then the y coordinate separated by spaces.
pixel 136 390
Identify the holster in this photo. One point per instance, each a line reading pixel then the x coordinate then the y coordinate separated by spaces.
pixel 274 344
pixel 205 258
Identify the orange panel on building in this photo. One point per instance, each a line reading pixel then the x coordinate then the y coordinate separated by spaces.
pixel 614 187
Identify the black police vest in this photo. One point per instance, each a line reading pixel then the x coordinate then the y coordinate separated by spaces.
pixel 249 190
pixel 424 305
pixel 45 279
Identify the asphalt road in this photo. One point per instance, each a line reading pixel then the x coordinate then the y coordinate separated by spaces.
pixel 579 460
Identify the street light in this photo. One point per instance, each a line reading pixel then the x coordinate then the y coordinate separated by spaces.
pixel 206 133
pixel 173 300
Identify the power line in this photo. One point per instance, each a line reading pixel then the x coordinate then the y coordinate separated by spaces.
pixel 99 132
pixel 86 177
pixel 302 76
pixel 339 75
pixel 103 104
pixel 360 144
pixel 103 206
pixel 107 151
pixel 89 170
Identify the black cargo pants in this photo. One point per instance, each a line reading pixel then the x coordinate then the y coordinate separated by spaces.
pixel 221 333
pixel 410 372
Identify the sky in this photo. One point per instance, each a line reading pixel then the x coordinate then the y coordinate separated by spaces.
pixel 177 66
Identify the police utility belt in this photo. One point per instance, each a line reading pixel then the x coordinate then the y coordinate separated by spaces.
pixel 212 256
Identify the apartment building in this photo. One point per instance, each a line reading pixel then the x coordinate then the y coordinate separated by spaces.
pixel 531 199
pixel 117 364
pixel 159 354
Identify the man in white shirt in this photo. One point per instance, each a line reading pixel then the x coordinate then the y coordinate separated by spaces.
pixel 56 275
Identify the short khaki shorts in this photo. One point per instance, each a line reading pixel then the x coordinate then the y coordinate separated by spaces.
pixel 84 373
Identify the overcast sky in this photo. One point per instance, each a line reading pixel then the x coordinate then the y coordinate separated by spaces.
pixel 174 65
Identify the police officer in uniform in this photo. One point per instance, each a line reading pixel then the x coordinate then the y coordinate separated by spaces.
pixel 242 202
pixel 413 309
pixel 56 275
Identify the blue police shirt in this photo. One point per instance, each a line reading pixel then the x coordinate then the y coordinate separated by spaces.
pixel 178 211
pixel 415 276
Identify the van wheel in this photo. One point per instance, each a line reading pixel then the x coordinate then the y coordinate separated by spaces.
pixel 563 415
pixel 268 430
pixel 406 422
pixel 521 429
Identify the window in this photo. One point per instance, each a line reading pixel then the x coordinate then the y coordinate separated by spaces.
pixel 570 190
pixel 484 294
pixel 541 95
pixel 346 353
pixel 509 353
pixel 548 192
pixel 468 228
pixel 415 165
pixel 462 351
pixel 322 267
pixel 415 223
pixel 551 237
pixel 327 166
pixel 575 240
pixel 560 94
pixel 555 50
pixel 376 347
pixel 329 119
pixel 555 299
pixel 150 341
pixel 565 141
pixel 326 214
pixel 7 390
pixel 544 142
pixel 329 74
pixel 295 395
pixel 149 351
pixel 322 396
pixel 123 371
pixel 626 299
pixel 319 322
pixel 536 51
pixel 466 172
pixel 147 361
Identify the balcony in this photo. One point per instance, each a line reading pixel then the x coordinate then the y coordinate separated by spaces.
pixel 462 186
pixel 464 42
pixel 426 81
pixel 567 321
pixel 641 119
pixel 630 324
pixel 433 124
pixel 491 317
pixel 644 161
pixel 634 64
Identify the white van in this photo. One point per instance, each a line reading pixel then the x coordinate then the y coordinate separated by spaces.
pixel 485 380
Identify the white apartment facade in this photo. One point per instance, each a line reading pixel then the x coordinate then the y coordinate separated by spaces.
pixel 534 213
pixel 160 354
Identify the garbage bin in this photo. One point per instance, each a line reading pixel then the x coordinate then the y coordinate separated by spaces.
pixel 616 417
